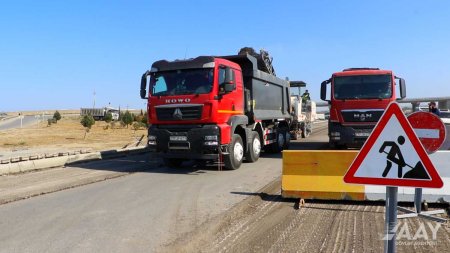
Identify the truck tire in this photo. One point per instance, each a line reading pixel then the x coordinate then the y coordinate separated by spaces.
pixel 280 142
pixel 287 139
pixel 236 153
pixel 173 162
pixel 254 148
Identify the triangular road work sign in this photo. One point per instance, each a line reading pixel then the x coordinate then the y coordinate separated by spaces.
pixel 393 156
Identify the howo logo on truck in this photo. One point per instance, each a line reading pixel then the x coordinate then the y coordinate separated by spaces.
pixel 179 100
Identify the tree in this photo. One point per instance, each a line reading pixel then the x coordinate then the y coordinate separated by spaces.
pixel 57 116
pixel 145 121
pixel 127 118
pixel 87 121
pixel 108 117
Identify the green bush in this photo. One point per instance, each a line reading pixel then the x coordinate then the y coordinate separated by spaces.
pixel 108 117
pixel 56 116
pixel 51 121
pixel 127 118
pixel 87 121
pixel 139 125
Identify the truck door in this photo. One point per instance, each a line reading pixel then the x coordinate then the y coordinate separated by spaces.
pixel 230 103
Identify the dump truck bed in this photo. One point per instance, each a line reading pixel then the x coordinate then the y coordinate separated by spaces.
pixel 267 96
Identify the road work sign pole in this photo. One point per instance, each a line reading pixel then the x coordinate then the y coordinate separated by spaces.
pixel 391 219
pixel 418 200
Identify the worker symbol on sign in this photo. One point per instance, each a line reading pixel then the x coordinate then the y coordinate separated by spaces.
pixel 395 156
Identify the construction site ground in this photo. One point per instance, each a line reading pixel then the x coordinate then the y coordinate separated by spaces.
pixel 265 222
pixel 149 207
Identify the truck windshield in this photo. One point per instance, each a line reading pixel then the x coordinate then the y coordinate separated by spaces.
pixel 181 82
pixel 362 87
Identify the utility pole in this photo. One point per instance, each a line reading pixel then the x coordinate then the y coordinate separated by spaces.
pixel 94 100
pixel 21 119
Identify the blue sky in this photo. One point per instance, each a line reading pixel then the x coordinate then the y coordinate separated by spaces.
pixel 54 54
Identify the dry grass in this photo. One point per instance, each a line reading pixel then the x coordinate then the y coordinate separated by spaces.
pixel 68 133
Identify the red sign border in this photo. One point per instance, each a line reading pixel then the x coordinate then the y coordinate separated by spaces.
pixel 394 109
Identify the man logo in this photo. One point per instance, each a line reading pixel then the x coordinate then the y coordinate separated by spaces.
pixel 177 114
pixel 362 116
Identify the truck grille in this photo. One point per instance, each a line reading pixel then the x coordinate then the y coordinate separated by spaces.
pixel 179 113
pixel 362 115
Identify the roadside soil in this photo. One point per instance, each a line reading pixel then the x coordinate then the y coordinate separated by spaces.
pixel 266 222
pixel 68 134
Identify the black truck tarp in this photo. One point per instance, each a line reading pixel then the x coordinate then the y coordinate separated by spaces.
pixel 267 96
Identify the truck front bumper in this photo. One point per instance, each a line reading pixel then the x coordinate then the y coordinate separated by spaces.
pixel 351 136
pixel 185 141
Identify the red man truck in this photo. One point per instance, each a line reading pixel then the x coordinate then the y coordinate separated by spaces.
pixel 225 108
pixel 357 100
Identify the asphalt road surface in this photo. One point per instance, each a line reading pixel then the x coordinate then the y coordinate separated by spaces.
pixel 26 121
pixel 137 205
pixel 144 209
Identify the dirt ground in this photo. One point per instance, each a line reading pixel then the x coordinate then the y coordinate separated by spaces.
pixel 265 222
pixel 68 134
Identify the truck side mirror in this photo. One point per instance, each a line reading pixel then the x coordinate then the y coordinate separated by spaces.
pixel 229 81
pixel 323 90
pixel 402 88
pixel 144 85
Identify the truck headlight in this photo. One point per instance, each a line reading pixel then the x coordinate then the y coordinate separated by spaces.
pixel 211 143
pixel 151 140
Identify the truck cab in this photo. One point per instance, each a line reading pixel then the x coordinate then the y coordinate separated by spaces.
pixel 215 108
pixel 357 98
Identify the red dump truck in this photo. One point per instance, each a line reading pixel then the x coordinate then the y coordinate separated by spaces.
pixel 225 108
pixel 357 99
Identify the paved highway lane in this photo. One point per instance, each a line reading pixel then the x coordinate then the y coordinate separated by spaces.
pixel 26 121
pixel 139 212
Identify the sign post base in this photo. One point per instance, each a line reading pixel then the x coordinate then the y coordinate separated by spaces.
pixel 418 212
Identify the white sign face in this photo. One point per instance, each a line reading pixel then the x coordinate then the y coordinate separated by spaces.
pixel 392 155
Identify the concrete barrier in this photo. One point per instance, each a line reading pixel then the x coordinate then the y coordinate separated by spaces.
pixel 319 175
pixel 53 160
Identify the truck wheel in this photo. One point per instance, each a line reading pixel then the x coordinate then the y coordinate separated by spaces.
pixel 280 142
pixel 287 139
pixel 254 150
pixel 173 162
pixel 236 153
